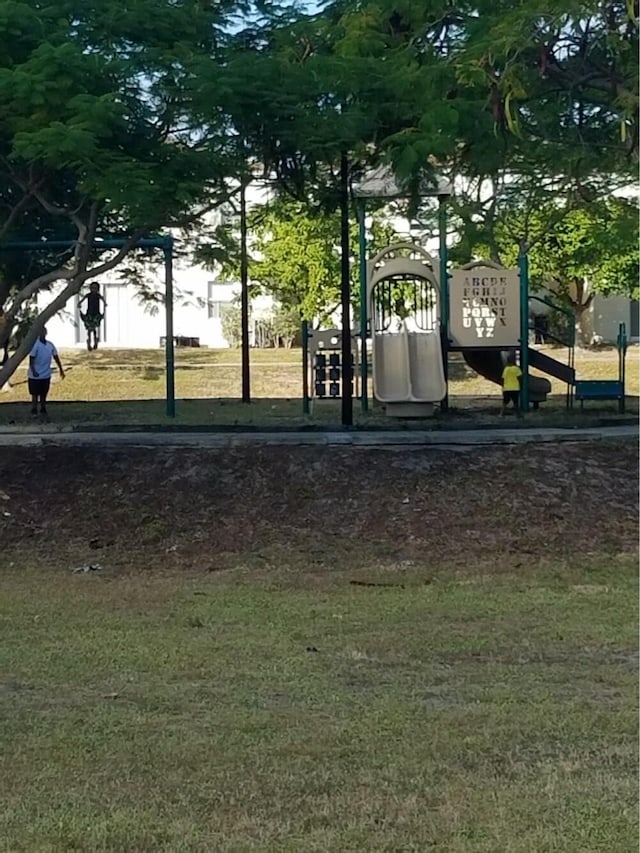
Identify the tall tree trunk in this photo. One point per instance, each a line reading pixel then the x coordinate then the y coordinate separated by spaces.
pixel 580 301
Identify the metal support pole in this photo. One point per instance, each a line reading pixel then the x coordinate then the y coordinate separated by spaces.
pixel 98 244
pixel 523 267
pixel 305 367
pixel 244 297
pixel 345 295
pixel 622 366
pixel 444 295
pixel 364 308
pixel 168 308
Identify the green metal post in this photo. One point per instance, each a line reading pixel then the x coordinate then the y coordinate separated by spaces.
pixel 244 296
pixel 305 367
pixel 622 365
pixel 345 295
pixel 364 308
pixel 444 294
pixel 523 266
pixel 168 347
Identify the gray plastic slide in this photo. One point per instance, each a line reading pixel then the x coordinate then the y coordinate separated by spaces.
pixel 407 367
pixel 490 364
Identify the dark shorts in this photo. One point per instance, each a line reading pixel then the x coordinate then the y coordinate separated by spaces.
pixel 511 397
pixel 91 321
pixel 39 387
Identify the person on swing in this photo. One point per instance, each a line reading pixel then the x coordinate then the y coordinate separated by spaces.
pixel 39 374
pixel 93 315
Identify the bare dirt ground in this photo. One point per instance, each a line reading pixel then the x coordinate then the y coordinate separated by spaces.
pixel 204 510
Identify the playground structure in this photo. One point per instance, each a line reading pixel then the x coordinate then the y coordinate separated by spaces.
pixel 404 307
pixel 487 309
pixel 485 322
pixel 322 357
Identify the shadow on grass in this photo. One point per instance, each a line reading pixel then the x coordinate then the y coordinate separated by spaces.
pixel 281 413
pixel 151 374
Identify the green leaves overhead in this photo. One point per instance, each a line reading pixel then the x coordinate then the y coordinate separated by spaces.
pixel 182 94
pixel 102 91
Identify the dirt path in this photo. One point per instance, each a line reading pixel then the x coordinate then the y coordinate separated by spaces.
pixel 156 508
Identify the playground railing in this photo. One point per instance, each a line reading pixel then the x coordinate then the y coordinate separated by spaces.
pixel 568 341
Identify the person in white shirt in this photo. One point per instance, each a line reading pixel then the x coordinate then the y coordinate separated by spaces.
pixel 39 374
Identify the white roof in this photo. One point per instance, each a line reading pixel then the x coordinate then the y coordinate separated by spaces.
pixel 382 183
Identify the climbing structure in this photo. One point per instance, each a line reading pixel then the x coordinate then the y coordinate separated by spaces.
pixel 404 308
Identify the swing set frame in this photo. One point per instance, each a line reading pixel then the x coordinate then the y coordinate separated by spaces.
pixel 165 244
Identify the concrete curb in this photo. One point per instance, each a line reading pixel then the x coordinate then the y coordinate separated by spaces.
pixel 326 439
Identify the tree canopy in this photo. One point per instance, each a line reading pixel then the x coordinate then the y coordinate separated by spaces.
pixel 128 119
pixel 96 131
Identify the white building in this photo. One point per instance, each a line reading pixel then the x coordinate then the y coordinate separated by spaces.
pixel 131 322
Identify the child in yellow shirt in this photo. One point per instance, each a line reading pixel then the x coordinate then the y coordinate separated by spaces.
pixel 511 376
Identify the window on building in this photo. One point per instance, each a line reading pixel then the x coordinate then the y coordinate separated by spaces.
pixel 216 309
pixel 215 304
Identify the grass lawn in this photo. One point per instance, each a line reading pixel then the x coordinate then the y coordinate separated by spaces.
pixel 297 650
pixel 149 713
pixel 128 386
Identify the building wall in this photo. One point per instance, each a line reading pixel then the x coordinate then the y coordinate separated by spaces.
pixel 602 320
pixel 130 322
pixel 607 312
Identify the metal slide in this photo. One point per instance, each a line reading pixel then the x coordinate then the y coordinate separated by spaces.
pixel 489 363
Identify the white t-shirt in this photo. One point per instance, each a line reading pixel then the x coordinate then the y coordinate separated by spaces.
pixel 42 353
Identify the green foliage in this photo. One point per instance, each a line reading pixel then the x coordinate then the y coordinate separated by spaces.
pixel 492 84
pixel 575 252
pixel 296 257
pixel 98 95
pixel 598 244
pixel 595 244
pixel 231 323
pixel 286 325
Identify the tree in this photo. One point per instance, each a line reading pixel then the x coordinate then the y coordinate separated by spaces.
pixel 96 133
pixel 230 321
pixel 512 101
pixel 286 325
pixel 296 257
pixel 591 250
pixel 595 251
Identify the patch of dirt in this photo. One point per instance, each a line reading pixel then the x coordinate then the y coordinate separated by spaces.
pixel 208 509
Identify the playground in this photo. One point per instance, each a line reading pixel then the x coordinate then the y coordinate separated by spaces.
pixel 424 328
pixel 288 648
pixel 328 650
pixel 128 387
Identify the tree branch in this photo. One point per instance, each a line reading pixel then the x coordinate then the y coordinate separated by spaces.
pixel 74 286
pixel 9 368
pixel 15 212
